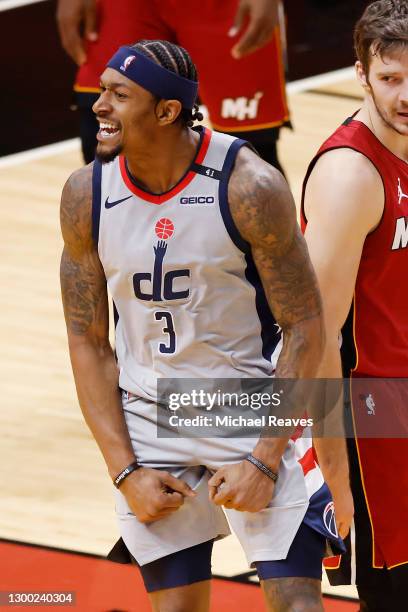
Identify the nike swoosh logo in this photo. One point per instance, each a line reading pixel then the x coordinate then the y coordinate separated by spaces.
pixel 112 204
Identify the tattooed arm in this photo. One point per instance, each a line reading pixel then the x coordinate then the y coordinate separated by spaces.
pixel 85 303
pixel 263 210
pixel 264 213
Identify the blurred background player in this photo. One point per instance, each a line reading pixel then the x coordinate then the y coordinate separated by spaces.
pixel 236 45
pixel 356 210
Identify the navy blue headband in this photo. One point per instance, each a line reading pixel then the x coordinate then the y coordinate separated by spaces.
pixel 153 77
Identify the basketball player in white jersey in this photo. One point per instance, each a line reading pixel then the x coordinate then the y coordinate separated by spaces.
pixel 197 240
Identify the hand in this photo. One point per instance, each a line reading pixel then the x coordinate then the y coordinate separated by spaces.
pixel 242 487
pixel 332 457
pixel 160 249
pixel 154 494
pixel 70 15
pixel 344 510
pixel 263 18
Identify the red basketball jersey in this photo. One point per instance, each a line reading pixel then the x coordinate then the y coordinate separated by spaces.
pixel 244 95
pixel 375 335
pixel 375 345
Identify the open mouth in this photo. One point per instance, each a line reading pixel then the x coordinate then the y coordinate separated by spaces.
pixel 107 130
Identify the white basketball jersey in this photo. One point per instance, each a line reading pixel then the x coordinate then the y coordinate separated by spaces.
pixel 187 295
pixel 188 300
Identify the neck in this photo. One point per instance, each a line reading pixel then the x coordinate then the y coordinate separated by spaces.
pixel 397 143
pixel 162 162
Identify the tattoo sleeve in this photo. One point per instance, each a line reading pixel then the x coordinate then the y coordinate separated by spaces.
pixel 83 282
pixel 84 297
pixel 264 212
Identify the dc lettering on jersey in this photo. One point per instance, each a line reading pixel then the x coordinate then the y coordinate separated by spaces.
pixel 401 234
pixel 241 108
pixel 155 286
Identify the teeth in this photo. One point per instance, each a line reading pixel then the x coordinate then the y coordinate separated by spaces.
pixel 107 126
pixel 106 134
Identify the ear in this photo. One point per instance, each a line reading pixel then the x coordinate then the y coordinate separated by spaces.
pixel 362 77
pixel 167 111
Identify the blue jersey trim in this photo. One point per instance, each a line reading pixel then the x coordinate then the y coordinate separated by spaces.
pixel 269 329
pixel 96 199
pixel 227 168
pixel 115 314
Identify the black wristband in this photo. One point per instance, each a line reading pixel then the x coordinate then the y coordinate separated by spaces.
pixel 261 466
pixel 125 473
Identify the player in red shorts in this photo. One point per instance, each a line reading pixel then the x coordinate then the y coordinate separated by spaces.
pixel 236 45
pixel 355 209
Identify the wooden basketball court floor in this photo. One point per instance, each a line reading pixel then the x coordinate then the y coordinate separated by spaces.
pixel 54 486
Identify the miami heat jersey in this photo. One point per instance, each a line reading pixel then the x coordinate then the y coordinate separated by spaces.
pixel 375 335
pixel 187 296
pixel 375 344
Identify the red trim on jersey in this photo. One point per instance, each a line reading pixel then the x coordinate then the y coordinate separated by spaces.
pixel 332 563
pixel 308 462
pixel 167 195
pixel 379 337
pixel 204 146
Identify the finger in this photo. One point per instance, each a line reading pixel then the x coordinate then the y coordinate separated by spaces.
pixel 213 489
pixel 212 492
pixel 230 504
pixel 165 512
pixel 236 502
pixel 71 42
pixel 177 485
pixel 215 484
pixel 75 49
pixel 254 37
pixel 158 507
pixel 151 517
pixel 91 31
pixel 238 20
pixel 217 479
pixel 343 530
pixel 223 496
pixel 171 500
pixel 68 26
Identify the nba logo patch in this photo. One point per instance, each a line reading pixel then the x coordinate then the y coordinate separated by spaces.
pixel 127 62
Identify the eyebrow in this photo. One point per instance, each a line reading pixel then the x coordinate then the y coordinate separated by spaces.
pixel 390 71
pixel 114 85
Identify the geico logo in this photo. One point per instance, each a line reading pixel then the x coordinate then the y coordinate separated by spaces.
pixel 198 200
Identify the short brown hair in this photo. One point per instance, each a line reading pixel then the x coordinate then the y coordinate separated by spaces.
pixel 382 29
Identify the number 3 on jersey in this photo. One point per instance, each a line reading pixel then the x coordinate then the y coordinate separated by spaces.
pixel 170 347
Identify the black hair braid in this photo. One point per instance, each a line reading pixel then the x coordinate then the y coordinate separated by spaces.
pixel 183 61
pixel 178 60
